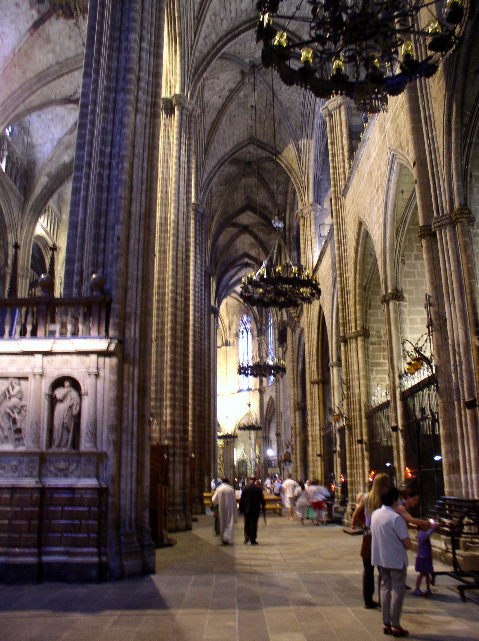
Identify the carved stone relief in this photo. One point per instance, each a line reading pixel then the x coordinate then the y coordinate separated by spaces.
pixel 66 467
pixel 13 412
pixel 22 467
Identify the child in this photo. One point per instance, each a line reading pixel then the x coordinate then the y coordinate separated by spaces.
pixel 424 559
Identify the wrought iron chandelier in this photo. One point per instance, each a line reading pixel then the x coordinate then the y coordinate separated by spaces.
pixel 262 368
pixel 276 283
pixel 365 49
pixel 69 9
pixel 279 284
pixel 249 422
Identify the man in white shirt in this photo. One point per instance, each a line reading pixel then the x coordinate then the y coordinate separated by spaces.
pixel 390 542
pixel 287 490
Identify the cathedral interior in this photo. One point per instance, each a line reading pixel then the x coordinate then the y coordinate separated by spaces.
pixel 158 158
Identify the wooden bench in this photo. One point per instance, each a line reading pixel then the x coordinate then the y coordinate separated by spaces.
pixel 273 503
pixel 459 521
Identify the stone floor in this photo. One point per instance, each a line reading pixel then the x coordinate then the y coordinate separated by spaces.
pixel 299 584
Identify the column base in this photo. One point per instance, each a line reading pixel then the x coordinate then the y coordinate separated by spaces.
pixel 179 520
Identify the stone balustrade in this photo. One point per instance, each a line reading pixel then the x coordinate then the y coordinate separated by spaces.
pixel 46 316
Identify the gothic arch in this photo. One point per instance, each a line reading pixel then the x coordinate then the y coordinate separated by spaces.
pixel 400 186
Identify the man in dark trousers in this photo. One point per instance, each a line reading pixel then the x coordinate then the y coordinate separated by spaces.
pixel 251 503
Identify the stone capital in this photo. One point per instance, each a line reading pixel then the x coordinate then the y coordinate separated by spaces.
pixel 198 209
pixel 359 333
pixel 463 214
pixel 333 104
pixel 181 102
pixel 308 210
pixel 335 364
pixel 424 231
pixel 394 295
pixel 441 221
pixel 167 107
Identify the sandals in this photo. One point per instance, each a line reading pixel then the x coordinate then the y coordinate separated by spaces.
pixel 387 628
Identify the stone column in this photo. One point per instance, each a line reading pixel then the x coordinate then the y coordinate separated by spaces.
pixel 390 303
pixel 33 436
pixel 201 422
pixel 335 112
pixel 464 220
pixel 461 361
pixel 172 297
pixel 88 441
pixel 228 458
pixel 111 231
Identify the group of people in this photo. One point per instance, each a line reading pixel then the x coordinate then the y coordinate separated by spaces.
pixel 298 496
pixel 385 518
pixel 251 504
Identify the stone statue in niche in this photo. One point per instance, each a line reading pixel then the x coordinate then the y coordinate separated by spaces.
pixel 66 410
pixel 13 412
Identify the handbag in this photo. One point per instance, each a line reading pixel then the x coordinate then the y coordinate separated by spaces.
pixel 366 545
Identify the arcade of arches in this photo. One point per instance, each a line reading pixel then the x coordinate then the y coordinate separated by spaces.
pixel 138 145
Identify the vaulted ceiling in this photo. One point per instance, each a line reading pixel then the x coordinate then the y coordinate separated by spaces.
pixel 251 166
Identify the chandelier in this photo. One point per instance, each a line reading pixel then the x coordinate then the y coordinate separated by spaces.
pixel 249 422
pixel 262 368
pixel 365 49
pixel 279 284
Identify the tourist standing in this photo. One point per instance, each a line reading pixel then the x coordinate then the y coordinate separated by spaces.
pixel 390 542
pixel 366 506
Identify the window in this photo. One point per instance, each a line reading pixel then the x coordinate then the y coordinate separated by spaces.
pixel 245 348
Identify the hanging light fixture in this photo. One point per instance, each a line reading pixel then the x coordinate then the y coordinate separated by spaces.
pixel 262 368
pixel 249 422
pixel 365 49
pixel 279 282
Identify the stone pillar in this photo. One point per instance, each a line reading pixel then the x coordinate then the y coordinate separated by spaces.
pixel 464 221
pixel 462 356
pixel 88 441
pixel 306 217
pixel 201 422
pixel 33 436
pixel 390 303
pixel 172 295
pixel 112 231
pixel 228 458
pixel 335 112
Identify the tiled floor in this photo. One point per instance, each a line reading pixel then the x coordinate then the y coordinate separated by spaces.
pixel 299 584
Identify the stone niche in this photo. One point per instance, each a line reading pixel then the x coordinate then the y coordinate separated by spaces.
pixel 53 464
